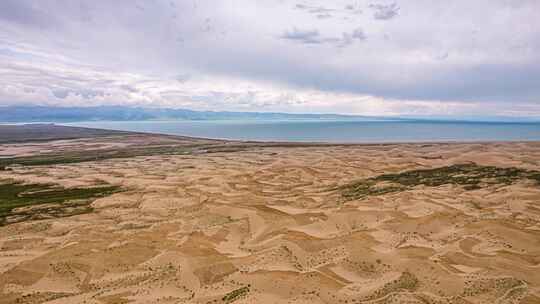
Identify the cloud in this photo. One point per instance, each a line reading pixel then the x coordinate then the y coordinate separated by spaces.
pixel 182 78
pixel 314 37
pixel 303 36
pixel 384 12
pixel 84 93
pixel 127 88
pixel 60 93
pixel 321 12
pixel 206 54
pixel 442 56
pixel 353 9
pixel 71 88
pixel 315 9
pixel 23 13
pixel 349 38
pixel 324 16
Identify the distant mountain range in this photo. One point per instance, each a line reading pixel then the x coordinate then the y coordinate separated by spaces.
pixel 28 113
pixel 122 113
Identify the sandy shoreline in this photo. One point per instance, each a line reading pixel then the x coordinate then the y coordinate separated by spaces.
pixel 219 222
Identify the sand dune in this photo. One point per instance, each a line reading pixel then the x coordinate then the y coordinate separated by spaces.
pixel 269 225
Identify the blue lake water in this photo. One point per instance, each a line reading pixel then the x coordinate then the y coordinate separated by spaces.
pixel 331 131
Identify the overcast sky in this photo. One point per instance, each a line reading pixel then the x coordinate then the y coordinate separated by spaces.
pixel 449 58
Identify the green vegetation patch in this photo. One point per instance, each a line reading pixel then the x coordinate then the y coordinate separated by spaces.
pixel 500 286
pixel 21 202
pixel 468 176
pixel 104 154
pixel 89 155
pixel 235 294
pixel 406 281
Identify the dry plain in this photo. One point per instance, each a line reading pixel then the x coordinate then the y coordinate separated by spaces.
pixel 202 221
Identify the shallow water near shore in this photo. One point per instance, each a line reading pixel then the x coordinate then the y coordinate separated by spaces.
pixel 331 131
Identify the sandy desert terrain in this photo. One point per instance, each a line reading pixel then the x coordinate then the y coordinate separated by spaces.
pixel 455 223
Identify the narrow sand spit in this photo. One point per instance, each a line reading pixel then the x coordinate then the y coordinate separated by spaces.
pixel 270 225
